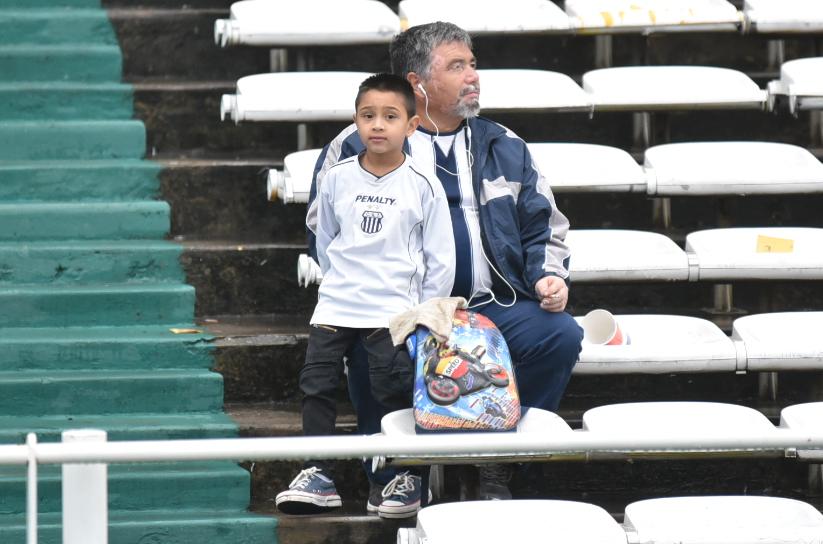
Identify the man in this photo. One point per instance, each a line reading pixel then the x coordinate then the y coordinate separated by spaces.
pixel 512 263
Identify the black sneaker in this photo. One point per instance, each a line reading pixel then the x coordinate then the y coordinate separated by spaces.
pixel 311 492
pixel 375 498
pixel 493 484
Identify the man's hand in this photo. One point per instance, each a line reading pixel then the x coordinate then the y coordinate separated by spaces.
pixel 553 293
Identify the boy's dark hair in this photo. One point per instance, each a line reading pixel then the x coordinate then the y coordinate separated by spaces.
pixel 388 83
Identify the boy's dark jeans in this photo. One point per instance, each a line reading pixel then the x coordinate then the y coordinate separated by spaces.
pixel 391 375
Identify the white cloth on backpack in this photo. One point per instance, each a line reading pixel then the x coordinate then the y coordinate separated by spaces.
pixel 435 314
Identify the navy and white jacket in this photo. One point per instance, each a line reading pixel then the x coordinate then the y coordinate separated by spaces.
pixel 523 232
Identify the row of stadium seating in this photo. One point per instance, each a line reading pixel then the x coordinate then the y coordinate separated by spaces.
pixel 694 168
pixel 682 520
pixel 318 22
pixel 303 96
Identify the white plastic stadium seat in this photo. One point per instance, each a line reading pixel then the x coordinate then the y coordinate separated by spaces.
pixel 293 96
pixel 757 253
pixel 676 419
pixel 801 81
pixel 530 90
pixel 652 15
pixel 526 522
pixel 782 16
pixel 724 520
pixel 534 420
pixel 486 16
pixel 781 341
pixel 329 96
pixel 588 168
pixel 807 417
pixel 307 22
pixel 716 168
pixel 293 184
pixel 625 255
pixel 649 88
pixel 662 344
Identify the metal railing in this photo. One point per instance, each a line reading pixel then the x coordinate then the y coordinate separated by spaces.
pixel 85 455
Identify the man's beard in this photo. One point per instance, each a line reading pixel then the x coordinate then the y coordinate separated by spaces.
pixel 467 110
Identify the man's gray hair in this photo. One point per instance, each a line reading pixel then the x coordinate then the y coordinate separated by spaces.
pixel 410 51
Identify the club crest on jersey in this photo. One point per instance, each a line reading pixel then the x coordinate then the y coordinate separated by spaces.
pixel 372 222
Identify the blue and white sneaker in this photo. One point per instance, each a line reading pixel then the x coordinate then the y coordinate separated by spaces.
pixel 311 492
pixel 401 497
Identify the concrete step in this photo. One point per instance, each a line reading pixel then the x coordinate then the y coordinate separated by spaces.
pixel 70 180
pixel 97 348
pixel 262 279
pixel 260 361
pixel 146 486
pixel 144 219
pixel 65 101
pixel 183 120
pixel 192 186
pixel 88 262
pixel 97 305
pixel 236 278
pixel 70 62
pixel 190 29
pixel 60 140
pixel 13 429
pixel 48 26
pixel 52 393
pixel 184 116
pixel 147 34
pixel 161 527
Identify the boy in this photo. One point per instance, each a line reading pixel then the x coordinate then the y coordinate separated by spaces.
pixel 384 244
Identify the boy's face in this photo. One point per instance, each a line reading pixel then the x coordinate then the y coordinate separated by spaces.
pixel 382 121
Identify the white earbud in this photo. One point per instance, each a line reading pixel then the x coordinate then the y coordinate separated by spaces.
pixel 422 90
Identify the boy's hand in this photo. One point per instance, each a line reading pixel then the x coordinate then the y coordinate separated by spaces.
pixel 553 293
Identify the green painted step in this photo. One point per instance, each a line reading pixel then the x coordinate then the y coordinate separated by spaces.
pixel 13 429
pixel 68 180
pixel 65 100
pixel 106 306
pixel 65 62
pixel 93 261
pixel 92 348
pixel 213 485
pixel 144 219
pixel 49 3
pixel 58 140
pixel 158 527
pixel 29 393
pixel 46 26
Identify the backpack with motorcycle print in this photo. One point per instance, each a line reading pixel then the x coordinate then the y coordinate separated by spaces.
pixel 465 383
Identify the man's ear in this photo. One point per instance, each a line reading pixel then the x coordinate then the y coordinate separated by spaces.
pixel 415 80
pixel 414 121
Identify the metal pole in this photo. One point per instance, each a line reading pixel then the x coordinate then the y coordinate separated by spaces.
pixel 31 490
pixel 85 493
pixel 445 445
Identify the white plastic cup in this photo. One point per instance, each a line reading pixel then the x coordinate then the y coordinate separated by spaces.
pixel 601 328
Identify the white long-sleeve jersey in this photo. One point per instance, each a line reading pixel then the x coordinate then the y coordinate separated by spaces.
pixel 384 244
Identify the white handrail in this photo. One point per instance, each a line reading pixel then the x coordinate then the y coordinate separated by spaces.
pixel 432 446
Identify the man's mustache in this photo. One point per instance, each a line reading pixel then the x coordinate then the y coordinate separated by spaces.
pixel 470 89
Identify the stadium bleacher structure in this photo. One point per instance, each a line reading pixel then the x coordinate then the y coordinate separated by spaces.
pixel 766 338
